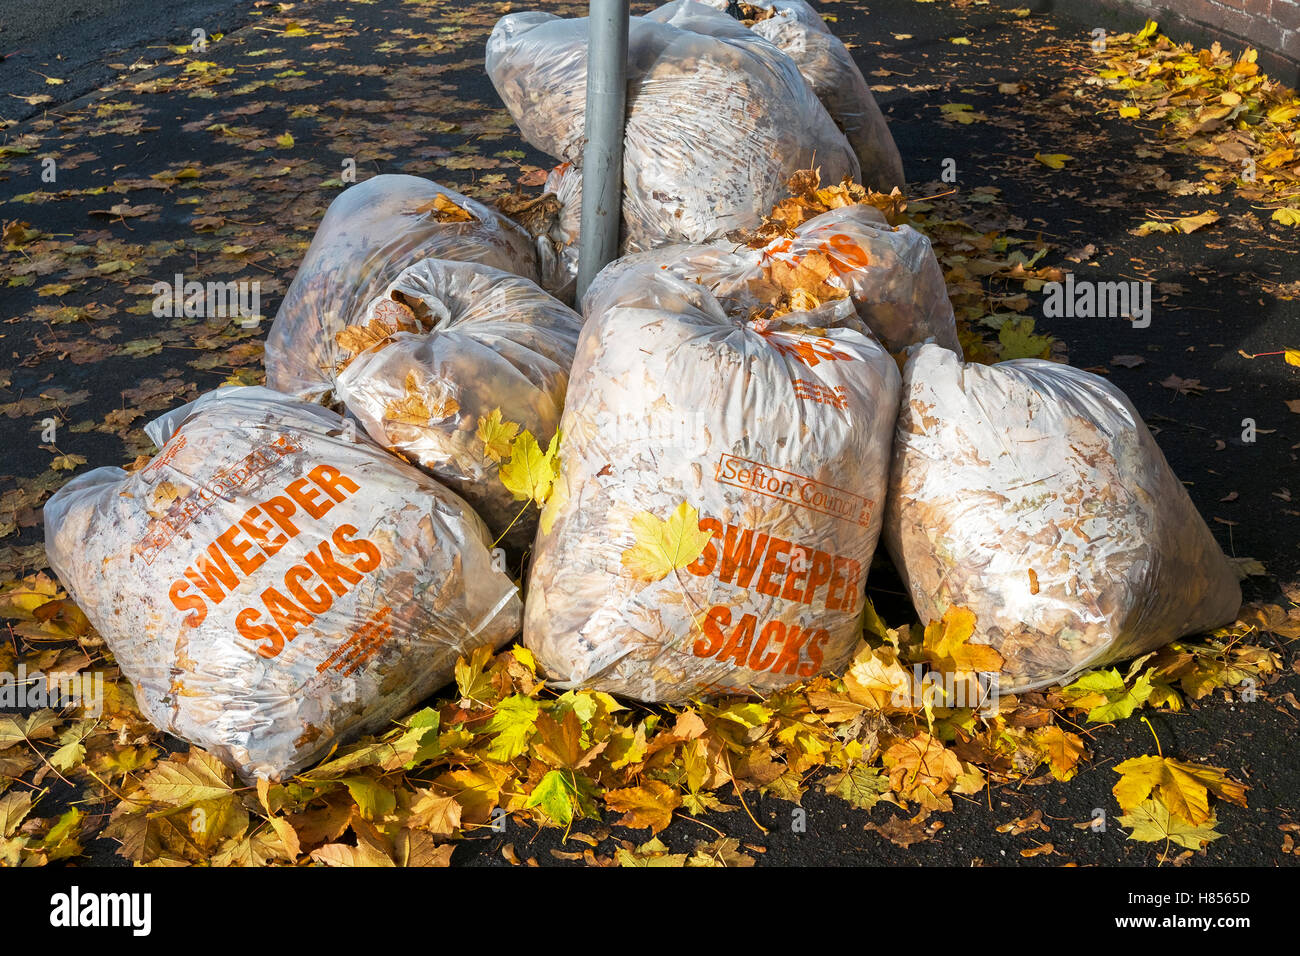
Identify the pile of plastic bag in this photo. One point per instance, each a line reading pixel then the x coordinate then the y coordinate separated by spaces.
pixel 735 433
pixel 772 437
pixel 271 583
pixel 718 119
pixel 1032 494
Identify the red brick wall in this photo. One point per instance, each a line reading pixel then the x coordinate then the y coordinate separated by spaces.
pixel 1270 26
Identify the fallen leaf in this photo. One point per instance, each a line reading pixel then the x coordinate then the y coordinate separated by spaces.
pixel 1183 386
pixel 1053 160
pixel 901 832
pixel 665 546
pixel 1127 361
pixel 530 474
pixel 649 805
pixel 496 435
pixel 1151 822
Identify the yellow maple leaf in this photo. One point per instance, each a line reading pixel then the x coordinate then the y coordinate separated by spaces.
pixel 1287 216
pixel 946 644
pixel 1152 822
pixel 555 502
pixel 417 406
pixel 67 462
pixel 1061 748
pixel 530 474
pixel 877 680
pixel 1053 160
pixel 1183 787
pixel 921 768
pixel 948 633
pixel 496 435
pixel 962 113
pixel 649 805
pixel 664 546
pixel 1151 226
pixel 1019 340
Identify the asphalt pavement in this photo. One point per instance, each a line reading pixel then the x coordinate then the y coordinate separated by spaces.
pixel 65 49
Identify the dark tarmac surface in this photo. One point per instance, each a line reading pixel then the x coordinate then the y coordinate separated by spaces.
pixel 77 42
pixel 1220 305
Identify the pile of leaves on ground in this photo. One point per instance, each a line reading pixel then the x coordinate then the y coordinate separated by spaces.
pixel 1211 104
pixel 502 742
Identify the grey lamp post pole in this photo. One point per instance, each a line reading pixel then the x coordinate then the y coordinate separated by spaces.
pixel 602 157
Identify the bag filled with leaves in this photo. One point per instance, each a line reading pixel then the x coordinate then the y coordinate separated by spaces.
pixel 844 249
pixel 1033 495
pixel 369 234
pixel 557 232
pixel 799 31
pixel 717 119
pixel 719 495
pixel 271 583
pixel 435 362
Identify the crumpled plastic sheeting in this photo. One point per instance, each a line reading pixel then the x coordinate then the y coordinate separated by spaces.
pixel 272 584
pixel 485 340
pixel 557 249
pixel 369 234
pixel 718 119
pixel 1032 494
pixel 890 273
pixel 779 437
pixel 798 30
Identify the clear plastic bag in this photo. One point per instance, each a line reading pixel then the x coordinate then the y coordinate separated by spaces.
pixel 778 435
pixel 477 339
pixel 369 234
pixel 890 273
pixel 1032 494
pixel 798 30
pixel 718 119
pixel 558 247
pixel 273 584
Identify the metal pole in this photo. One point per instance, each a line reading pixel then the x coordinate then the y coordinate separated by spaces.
pixel 602 157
